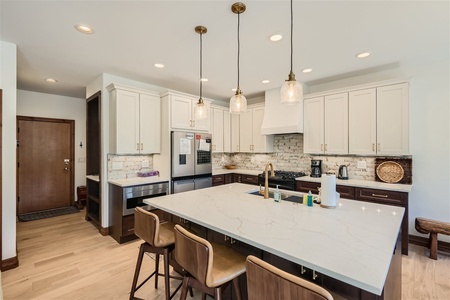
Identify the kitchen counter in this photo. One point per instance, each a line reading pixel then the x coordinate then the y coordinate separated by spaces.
pixel 353 243
pixel 238 171
pixel 364 184
pixel 137 181
pixel 93 177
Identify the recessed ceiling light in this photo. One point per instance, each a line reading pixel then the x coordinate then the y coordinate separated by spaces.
pixel 159 65
pixel 363 54
pixel 265 81
pixel 204 79
pixel 51 80
pixel 276 37
pixel 307 70
pixel 84 29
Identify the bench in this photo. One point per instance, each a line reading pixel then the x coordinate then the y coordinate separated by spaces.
pixel 433 228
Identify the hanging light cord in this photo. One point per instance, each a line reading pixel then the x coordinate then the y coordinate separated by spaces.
pixel 292 29
pixel 201 65
pixel 239 50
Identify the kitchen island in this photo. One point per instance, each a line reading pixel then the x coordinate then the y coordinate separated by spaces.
pixel 353 244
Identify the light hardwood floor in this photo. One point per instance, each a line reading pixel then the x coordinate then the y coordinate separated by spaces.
pixel 66 258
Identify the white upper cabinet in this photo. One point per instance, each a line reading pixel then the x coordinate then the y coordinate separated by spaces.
pixel 326 124
pixel 217 129
pixel 392 120
pixel 313 125
pixel 182 113
pixel 227 131
pixel 235 131
pixel 250 137
pixel 362 118
pixel 336 124
pixel 134 120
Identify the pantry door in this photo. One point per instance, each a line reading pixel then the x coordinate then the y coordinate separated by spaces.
pixel 45 168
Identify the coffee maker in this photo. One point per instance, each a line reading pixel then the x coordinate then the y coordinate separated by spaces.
pixel 316 168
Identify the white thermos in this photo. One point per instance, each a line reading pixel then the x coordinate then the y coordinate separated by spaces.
pixel 328 195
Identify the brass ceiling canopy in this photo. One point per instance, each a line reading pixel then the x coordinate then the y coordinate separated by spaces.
pixel 201 29
pixel 238 8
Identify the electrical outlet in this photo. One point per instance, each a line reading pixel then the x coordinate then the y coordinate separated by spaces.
pixel 145 164
pixel 117 165
pixel 361 164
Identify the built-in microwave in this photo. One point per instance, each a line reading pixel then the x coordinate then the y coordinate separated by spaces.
pixel 134 196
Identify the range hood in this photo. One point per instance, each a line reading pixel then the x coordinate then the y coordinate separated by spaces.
pixel 281 118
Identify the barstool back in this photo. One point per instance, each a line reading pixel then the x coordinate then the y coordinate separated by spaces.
pixel 146 226
pixel 266 282
pixel 193 253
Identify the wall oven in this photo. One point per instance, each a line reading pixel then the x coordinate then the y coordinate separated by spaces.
pixel 134 196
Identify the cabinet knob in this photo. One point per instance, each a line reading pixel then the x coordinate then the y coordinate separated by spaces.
pixel 379 146
pixel 373 147
pixel 142 146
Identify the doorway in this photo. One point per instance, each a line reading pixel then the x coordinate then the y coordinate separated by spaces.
pixel 45 167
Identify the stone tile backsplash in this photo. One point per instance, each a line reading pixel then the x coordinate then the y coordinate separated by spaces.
pixel 289 156
pixel 127 166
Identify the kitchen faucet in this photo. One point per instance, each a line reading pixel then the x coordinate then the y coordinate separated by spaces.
pixel 266 179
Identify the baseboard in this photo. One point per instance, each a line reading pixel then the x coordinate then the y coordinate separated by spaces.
pixel 10 263
pixel 422 241
pixel 104 230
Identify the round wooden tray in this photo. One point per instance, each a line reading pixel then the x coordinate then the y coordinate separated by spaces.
pixel 230 167
pixel 390 172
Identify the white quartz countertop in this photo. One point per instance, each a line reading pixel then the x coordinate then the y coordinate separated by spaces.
pixel 364 184
pixel 238 171
pixel 93 177
pixel 137 181
pixel 353 243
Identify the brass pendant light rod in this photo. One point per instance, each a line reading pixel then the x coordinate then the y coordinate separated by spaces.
pixel 238 8
pixel 201 30
pixel 291 74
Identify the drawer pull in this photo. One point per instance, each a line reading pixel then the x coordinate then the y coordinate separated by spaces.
pixel 302 270
pixel 381 196
pixel 129 230
pixel 314 275
pixel 232 241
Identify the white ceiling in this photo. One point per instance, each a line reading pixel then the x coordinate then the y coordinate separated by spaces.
pixel 130 36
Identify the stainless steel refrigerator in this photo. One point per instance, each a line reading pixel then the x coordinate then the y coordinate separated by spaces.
pixel 191 161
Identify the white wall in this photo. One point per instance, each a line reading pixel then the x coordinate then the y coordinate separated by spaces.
pixel 8 80
pixel 429 134
pixel 32 104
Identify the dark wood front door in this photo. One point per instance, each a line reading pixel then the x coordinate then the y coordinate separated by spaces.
pixel 45 163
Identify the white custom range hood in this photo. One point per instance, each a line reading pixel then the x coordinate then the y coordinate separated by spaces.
pixel 280 118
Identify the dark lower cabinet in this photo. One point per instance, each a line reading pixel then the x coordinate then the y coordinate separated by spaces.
pixel 218 180
pixel 249 179
pixel 234 177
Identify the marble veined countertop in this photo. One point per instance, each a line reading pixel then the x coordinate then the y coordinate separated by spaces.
pixel 353 243
pixel 238 171
pixel 364 183
pixel 137 181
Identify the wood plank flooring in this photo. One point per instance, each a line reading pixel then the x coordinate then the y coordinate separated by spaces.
pixel 66 258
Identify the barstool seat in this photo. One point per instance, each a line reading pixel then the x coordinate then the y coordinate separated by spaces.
pixel 210 267
pixel 159 239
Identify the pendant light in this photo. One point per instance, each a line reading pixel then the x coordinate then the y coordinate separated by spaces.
pixel 291 90
pixel 200 110
pixel 238 103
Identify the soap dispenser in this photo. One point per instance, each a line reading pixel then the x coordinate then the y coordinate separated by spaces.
pixel 277 195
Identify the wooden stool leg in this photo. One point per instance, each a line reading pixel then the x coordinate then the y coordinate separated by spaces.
pixel 433 245
pixel 218 293
pixel 237 288
pixel 156 269
pixel 136 271
pixel 166 273
pixel 184 288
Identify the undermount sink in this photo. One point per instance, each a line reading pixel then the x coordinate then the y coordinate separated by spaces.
pixel 284 196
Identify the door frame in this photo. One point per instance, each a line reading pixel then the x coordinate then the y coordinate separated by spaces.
pixel 72 153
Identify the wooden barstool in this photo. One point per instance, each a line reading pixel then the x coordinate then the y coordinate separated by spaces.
pixel 159 239
pixel 210 267
pixel 266 282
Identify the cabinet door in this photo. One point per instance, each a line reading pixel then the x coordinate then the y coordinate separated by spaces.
pixel 261 143
pixel 227 131
pixel 362 122
pixel 246 131
pixel 392 120
pixel 204 124
pixel 180 114
pixel 127 122
pixel 336 124
pixel 235 134
pixel 217 130
pixel 313 137
pixel 149 123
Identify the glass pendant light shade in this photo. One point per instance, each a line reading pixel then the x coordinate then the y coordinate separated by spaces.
pixel 291 92
pixel 200 111
pixel 238 103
